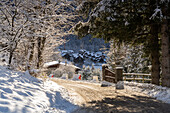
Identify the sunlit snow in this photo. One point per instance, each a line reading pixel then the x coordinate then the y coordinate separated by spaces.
pixel 22 93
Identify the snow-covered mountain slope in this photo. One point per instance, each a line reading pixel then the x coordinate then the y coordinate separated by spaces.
pixel 22 93
pixel 88 43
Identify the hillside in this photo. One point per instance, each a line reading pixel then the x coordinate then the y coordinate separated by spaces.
pixel 88 43
pixel 85 51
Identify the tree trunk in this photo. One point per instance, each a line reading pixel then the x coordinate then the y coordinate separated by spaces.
pixel 165 54
pixel 30 53
pixel 41 44
pixel 10 57
pixel 39 52
pixel 31 50
pixel 154 47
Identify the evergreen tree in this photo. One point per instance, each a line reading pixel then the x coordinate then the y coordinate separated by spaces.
pixel 165 36
pixel 135 21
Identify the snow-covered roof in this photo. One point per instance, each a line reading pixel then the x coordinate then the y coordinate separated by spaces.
pixel 82 50
pixel 64 51
pixel 52 63
pixel 99 53
pixel 75 55
pixel 92 54
pixel 74 66
pixel 81 55
pixel 48 64
pixel 87 52
pixel 70 51
pixel 63 54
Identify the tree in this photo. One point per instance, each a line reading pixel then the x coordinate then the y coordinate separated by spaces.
pixel 165 33
pixel 129 21
pixel 13 20
pixel 34 28
pixel 131 58
pixel 57 18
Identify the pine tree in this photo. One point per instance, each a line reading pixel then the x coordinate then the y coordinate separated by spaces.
pixel 165 36
pixel 128 21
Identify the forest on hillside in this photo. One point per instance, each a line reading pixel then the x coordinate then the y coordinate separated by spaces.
pixel 88 43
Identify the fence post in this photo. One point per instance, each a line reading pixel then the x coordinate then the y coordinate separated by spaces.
pixel 119 74
pixel 104 66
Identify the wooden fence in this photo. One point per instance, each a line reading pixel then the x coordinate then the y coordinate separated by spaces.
pixel 137 77
pixel 118 75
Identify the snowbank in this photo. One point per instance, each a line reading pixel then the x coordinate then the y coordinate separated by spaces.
pixel 158 92
pixel 22 93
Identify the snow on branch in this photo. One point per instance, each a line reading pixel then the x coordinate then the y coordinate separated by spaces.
pixel 157 12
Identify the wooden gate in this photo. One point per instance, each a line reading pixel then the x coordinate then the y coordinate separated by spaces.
pixel 111 76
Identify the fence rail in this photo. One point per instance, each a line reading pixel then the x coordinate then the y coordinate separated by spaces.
pixel 109 76
pixel 118 75
pixel 138 77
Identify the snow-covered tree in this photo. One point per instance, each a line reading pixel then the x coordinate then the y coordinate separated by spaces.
pixel 13 21
pixel 132 59
pixel 32 29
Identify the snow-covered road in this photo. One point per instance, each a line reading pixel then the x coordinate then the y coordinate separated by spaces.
pixel 96 99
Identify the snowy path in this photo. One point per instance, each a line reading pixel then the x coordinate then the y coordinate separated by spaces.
pixel 96 99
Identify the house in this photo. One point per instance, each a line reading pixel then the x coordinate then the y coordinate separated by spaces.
pixel 78 58
pixel 54 67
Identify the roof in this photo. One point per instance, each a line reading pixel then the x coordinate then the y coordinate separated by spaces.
pixel 48 64
pixel 56 64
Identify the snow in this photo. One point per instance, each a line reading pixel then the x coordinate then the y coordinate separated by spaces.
pixel 102 8
pixel 99 53
pixel 76 77
pixel 64 51
pixel 75 55
pixel 119 67
pixel 126 23
pixel 158 92
pixel 22 93
pixel 63 54
pixel 52 63
pixel 70 51
pixel 157 10
pixel 81 55
pixel 111 19
pixel 73 66
pixel 88 53
pixel 92 54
